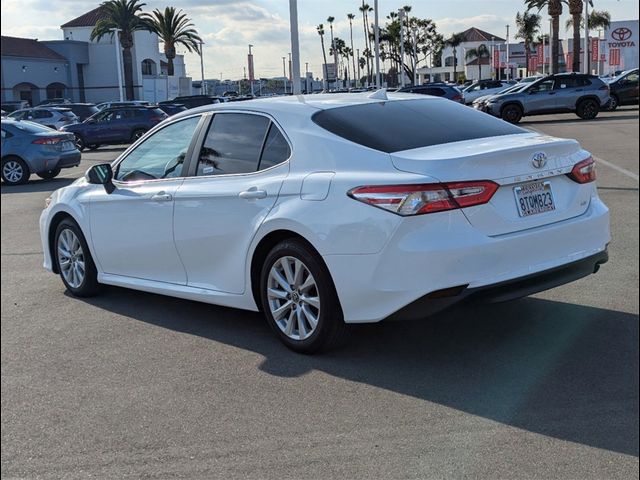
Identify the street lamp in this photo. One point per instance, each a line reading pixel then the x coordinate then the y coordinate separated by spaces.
pixel 284 73
pixel 586 37
pixel 116 34
pixel 377 43
pixel 507 55
pixel 295 46
pixel 250 64
pixel 203 87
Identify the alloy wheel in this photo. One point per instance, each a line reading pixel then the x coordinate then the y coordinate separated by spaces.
pixel 13 171
pixel 293 298
pixel 71 258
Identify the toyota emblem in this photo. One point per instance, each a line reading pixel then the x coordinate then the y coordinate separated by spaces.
pixel 539 160
pixel 621 34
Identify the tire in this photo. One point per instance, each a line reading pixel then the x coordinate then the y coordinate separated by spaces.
pixel 512 113
pixel 137 134
pixel 75 254
pixel 93 146
pixel 80 145
pixel 311 295
pixel 15 171
pixel 613 104
pixel 588 109
pixel 49 174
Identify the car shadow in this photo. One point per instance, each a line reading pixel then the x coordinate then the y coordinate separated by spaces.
pixel 34 186
pixel 556 369
pixel 106 149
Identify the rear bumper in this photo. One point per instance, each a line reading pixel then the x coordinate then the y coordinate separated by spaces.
pixel 504 291
pixel 436 252
pixel 42 161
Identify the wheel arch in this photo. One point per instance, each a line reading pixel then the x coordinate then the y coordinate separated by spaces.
pixel 510 103
pixel 588 97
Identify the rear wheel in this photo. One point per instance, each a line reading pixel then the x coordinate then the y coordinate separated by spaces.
pixel 512 113
pixel 299 299
pixel 14 171
pixel 76 267
pixel 49 174
pixel 588 109
pixel 613 104
pixel 80 145
pixel 137 134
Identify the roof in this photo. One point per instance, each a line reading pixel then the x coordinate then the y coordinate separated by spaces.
pixel 27 47
pixel 474 34
pixel 88 19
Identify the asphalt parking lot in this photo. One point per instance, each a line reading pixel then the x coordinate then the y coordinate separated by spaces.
pixel 130 384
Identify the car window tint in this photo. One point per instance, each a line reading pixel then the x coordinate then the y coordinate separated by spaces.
pixel 543 86
pixel 31 127
pixel 436 92
pixel 406 124
pixel 276 149
pixel 233 144
pixel 161 155
pixel 566 82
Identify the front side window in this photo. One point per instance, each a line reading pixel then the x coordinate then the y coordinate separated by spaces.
pixel 566 82
pixel 545 86
pixel 233 144
pixel 162 155
pixel 42 114
pixel 632 78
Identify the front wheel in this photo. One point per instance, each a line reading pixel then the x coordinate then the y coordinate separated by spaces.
pixel 49 174
pixel 512 114
pixel 73 258
pixel 299 299
pixel 613 103
pixel 588 109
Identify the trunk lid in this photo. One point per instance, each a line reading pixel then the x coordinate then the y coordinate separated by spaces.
pixel 508 161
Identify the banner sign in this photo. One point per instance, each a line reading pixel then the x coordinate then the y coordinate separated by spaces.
pixel 595 49
pixel 614 56
pixel 540 53
pixel 533 64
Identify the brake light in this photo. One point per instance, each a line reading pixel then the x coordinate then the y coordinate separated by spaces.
pixel 420 199
pixel 47 141
pixel 604 87
pixel 457 98
pixel 584 171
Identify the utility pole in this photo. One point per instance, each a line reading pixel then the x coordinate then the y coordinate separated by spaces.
pixel 295 46
pixel 493 65
pixel 543 54
pixel 306 77
pixel 586 37
pixel 401 72
pixel 377 43
pixel 203 86
pixel 116 34
pixel 358 63
pixel 251 72
pixel 508 66
pixel 284 73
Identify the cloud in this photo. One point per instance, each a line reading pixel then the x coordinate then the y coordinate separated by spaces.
pixel 449 25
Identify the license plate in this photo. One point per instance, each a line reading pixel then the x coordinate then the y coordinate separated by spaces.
pixel 533 198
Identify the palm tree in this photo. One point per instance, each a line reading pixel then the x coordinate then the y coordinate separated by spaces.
pixel 575 10
pixel 320 29
pixel 554 9
pixel 454 41
pixel 481 52
pixel 123 15
pixel 528 27
pixel 365 9
pixel 330 21
pixel 173 28
pixel 351 17
pixel 598 19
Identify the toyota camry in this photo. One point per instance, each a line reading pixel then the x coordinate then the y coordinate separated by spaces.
pixel 326 210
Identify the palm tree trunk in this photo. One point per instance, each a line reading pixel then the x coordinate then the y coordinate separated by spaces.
pixel 455 66
pixel 368 43
pixel 555 44
pixel 526 58
pixel 576 42
pixel 353 51
pixel 127 60
pixel 170 70
pixel 324 56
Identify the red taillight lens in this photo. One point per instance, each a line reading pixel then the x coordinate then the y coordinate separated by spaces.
pixel 604 87
pixel 584 171
pixel 457 98
pixel 47 141
pixel 419 199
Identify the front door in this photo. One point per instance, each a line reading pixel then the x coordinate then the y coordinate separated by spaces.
pixel 240 171
pixel 132 228
pixel 541 97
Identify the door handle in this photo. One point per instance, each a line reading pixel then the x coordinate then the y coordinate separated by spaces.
pixel 162 197
pixel 253 193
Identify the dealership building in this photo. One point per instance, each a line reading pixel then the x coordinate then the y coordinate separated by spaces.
pixel 83 70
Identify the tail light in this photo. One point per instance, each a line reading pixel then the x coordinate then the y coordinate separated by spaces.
pixel 584 171
pixel 604 87
pixel 47 141
pixel 419 199
pixel 457 98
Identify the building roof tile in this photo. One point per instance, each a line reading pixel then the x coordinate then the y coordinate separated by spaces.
pixel 88 19
pixel 27 47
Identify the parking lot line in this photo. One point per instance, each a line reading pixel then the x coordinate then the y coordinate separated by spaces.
pixel 624 171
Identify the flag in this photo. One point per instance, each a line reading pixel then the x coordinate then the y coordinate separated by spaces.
pixel 595 49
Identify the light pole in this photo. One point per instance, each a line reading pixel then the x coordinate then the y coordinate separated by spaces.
pixel 508 66
pixel 493 63
pixel 116 34
pixel 401 18
pixel 284 73
pixel 295 46
pixel 203 87
pixel 377 43
pixel 586 37
pixel 543 54
pixel 250 65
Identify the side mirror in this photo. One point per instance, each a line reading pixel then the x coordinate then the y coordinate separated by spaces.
pixel 101 174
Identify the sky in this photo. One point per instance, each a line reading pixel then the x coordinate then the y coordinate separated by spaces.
pixel 229 26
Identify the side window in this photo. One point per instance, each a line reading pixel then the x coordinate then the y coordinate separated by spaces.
pixel 545 86
pixel 276 149
pixel 233 144
pixel 566 82
pixel 160 156
pixel 104 117
pixel 632 78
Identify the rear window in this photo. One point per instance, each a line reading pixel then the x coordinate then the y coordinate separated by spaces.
pixel 408 124
pixel 30 127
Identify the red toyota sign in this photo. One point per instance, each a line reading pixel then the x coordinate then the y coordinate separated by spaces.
pixel 533 64
pixel 540 53
pixel 614 56
pixel 595 49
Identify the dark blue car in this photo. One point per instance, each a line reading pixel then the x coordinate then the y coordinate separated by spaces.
pixel 436 90
pixel 114 126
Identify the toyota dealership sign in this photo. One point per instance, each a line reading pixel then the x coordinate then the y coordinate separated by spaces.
pixel 623 37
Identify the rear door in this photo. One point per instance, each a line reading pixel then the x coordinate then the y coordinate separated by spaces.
pixel 568 90
pixel 241 166
pixel 628 90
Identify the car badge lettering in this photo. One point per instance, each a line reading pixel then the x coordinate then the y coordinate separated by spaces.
pixel 539 160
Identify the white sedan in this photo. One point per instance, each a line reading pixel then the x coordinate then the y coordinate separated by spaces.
pixel 325 210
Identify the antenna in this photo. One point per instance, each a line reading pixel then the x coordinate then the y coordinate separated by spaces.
pixel 379 94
